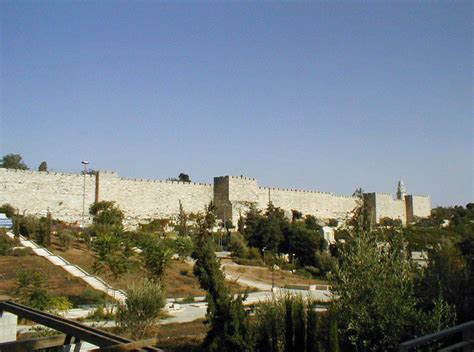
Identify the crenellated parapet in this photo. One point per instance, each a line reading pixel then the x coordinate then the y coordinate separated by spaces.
pixel 62 194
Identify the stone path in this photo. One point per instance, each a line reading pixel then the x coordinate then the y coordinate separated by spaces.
pixel 94 281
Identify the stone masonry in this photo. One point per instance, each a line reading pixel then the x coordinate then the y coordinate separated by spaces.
pixel 36 193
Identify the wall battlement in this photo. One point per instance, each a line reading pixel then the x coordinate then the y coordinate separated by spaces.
pixel 35 192
pixel 164 181
pixel 303 191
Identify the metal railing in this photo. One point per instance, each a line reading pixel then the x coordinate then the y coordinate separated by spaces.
pixel 465 345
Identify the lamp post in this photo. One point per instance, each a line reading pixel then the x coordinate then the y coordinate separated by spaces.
pixel 84 162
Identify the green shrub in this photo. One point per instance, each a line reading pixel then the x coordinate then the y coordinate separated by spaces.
pixel 140 312
pixel 65 238
pixel 28 226
pixel 183 246
pixel 8 210
pixel 249 262
pixel 253 253
pixel 100 314
pixel 31 289
pixel 88 297
pixel 5 245
pixel 60 303
pixel 21 252
pixel 237 245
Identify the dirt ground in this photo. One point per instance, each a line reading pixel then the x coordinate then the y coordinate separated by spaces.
pixel 263 274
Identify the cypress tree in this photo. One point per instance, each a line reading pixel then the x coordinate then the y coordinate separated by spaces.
pixel 299 323
pixel 230 329
pixel 311 345
pixel 333 336
pixel 289 333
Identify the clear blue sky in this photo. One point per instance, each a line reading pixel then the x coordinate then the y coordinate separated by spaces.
pixel 312 95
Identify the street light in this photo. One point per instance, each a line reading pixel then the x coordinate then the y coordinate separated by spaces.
pixel 84 162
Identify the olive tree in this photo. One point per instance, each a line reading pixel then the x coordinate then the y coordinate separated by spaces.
pixel 139 314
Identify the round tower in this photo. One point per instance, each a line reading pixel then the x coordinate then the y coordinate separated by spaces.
pixel 401 192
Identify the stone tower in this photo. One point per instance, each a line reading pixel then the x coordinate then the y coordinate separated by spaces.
pixel 401 192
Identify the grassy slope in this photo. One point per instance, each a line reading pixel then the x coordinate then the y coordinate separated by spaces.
pixel 60 283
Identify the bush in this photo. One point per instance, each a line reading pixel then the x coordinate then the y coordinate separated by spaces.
pixel 65 238
pixel 5 246
pixel 237 245
pixel 28 225
pixel 8 210
pixel 31 289
pixel 21 252
pixel 140 312
pixel 60 303
pixel 89 297
pixel 100 314
pixel 249 262
pixel 184 246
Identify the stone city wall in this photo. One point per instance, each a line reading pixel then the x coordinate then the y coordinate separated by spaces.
pixel 418 207
pixel 143 199
pixel 36 193
pixel 243 191
pixel 322 205
pixel 387 207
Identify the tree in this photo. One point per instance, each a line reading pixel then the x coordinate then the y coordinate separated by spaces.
pixel 157 226
pixel 156 257
pixel 182 221
pixel 31 291
pixel 333 335
pixel 184 246
pixel 229 330
pixel 376 306
pixel 113 252
pixel 446 276
pixel 287 323
pixel 466 247
pixel 43 231
pixel 107 214
pixel 303 243
pixel 139 314
pixel 296 215
pixel 265 231
pixel 13 161
pixel 43 166
pixel 184 177
pixel 359 192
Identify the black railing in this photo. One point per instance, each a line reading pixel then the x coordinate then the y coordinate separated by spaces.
pixel 466 344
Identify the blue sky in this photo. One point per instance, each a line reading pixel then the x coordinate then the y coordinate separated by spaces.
pixel 312 95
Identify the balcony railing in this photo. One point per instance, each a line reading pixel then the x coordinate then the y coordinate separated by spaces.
pixel 466 344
